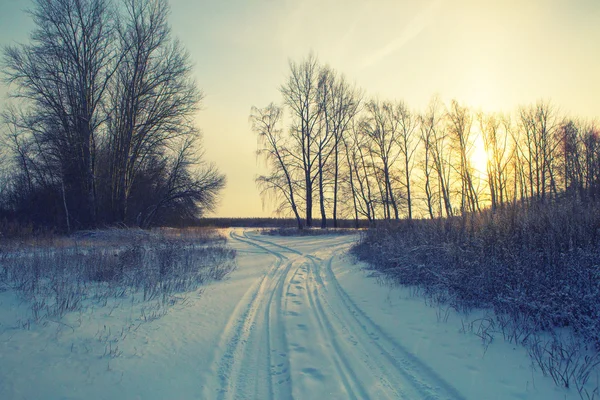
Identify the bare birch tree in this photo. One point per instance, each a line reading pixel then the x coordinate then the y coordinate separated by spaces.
pixel 539 124
pixel 300 95
pixel 274 149
pixel 460 121
pixel 407 143
pixel 496 134
pixel 382 129
pixel 429 126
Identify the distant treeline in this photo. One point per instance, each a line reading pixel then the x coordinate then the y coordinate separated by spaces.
pixel 269 223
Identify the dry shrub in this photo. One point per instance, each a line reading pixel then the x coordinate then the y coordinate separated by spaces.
pixel 537 267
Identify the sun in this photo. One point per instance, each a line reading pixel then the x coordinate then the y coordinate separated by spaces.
pixel 479 157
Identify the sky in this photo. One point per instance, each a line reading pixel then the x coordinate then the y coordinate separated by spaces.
pixel 490 55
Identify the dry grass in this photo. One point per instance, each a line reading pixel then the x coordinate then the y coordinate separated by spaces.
pixel 61 274
pixel 538 268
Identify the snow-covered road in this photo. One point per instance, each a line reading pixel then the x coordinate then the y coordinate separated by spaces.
pixel 297 334
pixel 296 319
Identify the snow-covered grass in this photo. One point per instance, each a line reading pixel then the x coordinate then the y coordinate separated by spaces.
pixel 65 275
pixel 536 268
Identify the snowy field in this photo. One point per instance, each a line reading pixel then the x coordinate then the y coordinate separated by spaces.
pixel 296 319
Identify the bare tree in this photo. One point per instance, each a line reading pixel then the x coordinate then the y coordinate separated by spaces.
pixel 63 75
pixel 340 103
pixel 351 165
pixel 441 154
pixel 382 129
pixel 300 94
pixel 496 134
pixel 519 167
pixel 152 100
pixel 274 149
pixel 539 124
pixel 360 174
pixel 325 134
pixel 105 108
pixel 184 188
pixel 591 158
pixel 460 121
pixel 357 149
pixel 578 157
pixel 429 126
pixel 570 149
pixel 407 143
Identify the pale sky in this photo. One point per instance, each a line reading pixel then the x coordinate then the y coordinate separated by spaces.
pixel 491 55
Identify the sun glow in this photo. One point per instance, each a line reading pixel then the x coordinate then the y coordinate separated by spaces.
pixel 479 157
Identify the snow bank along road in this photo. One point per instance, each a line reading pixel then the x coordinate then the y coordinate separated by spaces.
pixel 297 319
pixel 297 334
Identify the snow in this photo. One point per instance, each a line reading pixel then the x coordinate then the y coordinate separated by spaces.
pixel 296 319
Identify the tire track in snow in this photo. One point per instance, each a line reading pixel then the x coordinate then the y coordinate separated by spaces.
pixel 351 383
pixel 279 367
pixel 364 360
pixel 236 336
pixel 426 382
pixel 400 373
pixel 342 357
pixel 342 369
pixel 346 241
pixel 359 350
pixel 249 241
pixel 246 343
pixel 237 333
pixel 254 238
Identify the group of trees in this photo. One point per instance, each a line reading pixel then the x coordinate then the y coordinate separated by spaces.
pixel 309 155
pixel 100 130
pixel 374 159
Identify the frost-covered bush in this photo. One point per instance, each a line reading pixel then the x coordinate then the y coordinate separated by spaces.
pixel 536 266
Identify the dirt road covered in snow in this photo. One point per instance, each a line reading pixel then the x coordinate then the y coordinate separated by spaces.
pixel 297 334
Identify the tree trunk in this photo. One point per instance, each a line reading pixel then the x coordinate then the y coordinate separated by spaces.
pixel 322 195
pixel 335 184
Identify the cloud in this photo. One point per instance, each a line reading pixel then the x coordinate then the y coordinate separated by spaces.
pixel 414 27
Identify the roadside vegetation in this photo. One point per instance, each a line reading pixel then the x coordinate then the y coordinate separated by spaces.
pixel 100 133
pixel 537 268
pixel 59 275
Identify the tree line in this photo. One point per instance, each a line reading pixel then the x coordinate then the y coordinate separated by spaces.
pixel 100 129
pixel 329 147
